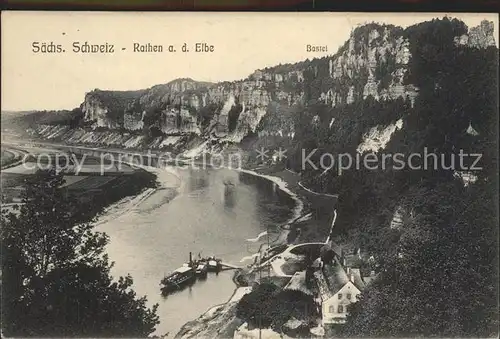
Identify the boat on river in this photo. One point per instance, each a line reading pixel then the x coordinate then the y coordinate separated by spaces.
pixel 201 269
pixel 187 273
pixel 178 279
pixel 214 264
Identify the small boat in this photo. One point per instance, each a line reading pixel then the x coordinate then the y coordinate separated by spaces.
pixel 214 265
pixel 201 269
pixel 178 279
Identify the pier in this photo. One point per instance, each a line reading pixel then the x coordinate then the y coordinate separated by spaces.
pixel 226 266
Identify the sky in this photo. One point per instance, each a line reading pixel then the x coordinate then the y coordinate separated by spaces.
pixel 243 42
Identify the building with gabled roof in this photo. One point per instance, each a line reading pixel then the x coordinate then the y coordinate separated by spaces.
pixel 298 283
pixel 338 288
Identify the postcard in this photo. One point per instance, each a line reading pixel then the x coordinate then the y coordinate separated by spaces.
pixel 249 175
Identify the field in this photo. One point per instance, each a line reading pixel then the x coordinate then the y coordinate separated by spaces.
pixel 7 157
pixel 90 182
pixel 12 179
pixel 98 182
pixel 72 179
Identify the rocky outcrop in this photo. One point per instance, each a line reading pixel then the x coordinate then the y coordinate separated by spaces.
pixel 218 322
pixel 478 37
pixel 107 108
pixel 373 62
pixel 378 137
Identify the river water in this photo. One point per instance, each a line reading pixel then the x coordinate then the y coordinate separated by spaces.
pixel 152 237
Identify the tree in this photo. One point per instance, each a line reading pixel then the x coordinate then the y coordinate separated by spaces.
pixel 270 306
pixel 327 254
pixel 56 278
pixel 440 268
pixel 255 307
pixel 442 277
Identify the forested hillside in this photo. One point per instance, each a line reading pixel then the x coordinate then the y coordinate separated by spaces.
pixel 430 89
pixel 439 266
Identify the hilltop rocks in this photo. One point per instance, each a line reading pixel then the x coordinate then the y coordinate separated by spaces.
pixel 94 110
pixel 479 37
pixel 107 108
pixel 374 62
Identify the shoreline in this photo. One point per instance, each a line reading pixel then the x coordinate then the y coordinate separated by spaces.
pixel 283 186
pixel 133 202
pixel 298 210
pixel 289 184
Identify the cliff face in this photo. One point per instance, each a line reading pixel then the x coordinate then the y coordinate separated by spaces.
pixel 107 108
pixel 373 62
pixel 478 37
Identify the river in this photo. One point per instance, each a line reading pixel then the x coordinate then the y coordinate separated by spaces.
pixel 153 237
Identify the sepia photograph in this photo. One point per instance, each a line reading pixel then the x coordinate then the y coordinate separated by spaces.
pixel 249 175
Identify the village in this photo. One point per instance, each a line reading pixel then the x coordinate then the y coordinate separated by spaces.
pixel 319 270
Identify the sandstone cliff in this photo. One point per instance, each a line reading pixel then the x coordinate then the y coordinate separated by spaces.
pixel 373 62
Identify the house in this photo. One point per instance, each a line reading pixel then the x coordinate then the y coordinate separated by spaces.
pixel 338 288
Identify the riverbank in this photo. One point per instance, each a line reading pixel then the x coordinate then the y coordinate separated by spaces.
pixel 10 157
pixel 321 206
pixel 296 229
pixel 219 321
pixel 309 223
pixel 98 186
pixel 125 237
pixel 167 180
pixel 317 208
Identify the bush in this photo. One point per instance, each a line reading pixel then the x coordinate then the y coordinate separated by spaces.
pixel 270 306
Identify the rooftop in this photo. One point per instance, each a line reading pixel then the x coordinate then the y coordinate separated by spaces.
pixel 333 277
pixel 298 283
pixel 183 269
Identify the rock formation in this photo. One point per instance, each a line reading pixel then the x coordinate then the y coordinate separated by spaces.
pixel 373 62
